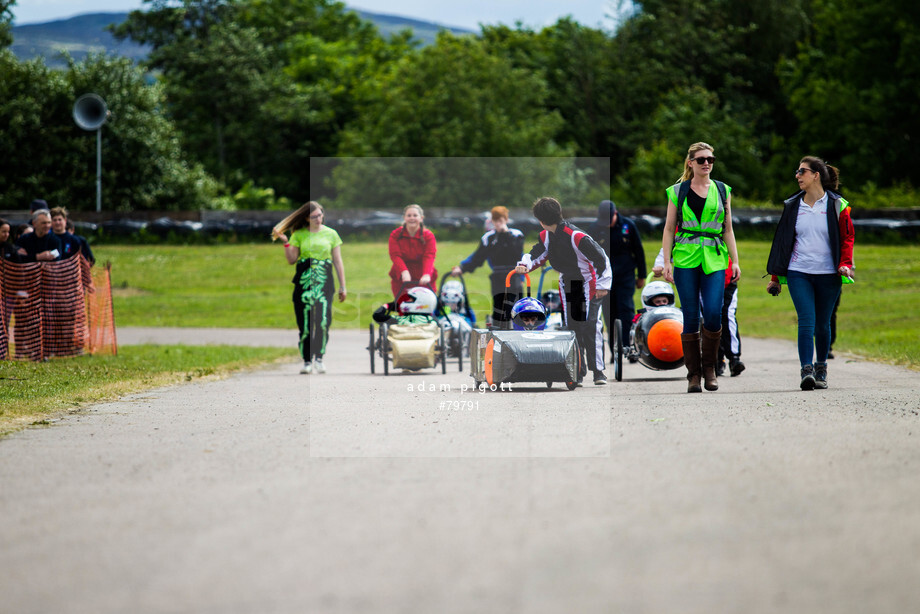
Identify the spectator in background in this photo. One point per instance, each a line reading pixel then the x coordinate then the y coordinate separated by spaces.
pixel 70 245
pixel 40 245
pixel 37 205
pixel 84 244
pixel 21 229
pixel 8 250
pixel 619 238
pixel 412 249
pixel 502 248
pixel 730 344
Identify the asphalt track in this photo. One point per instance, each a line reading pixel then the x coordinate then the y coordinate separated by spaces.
pixel 271 491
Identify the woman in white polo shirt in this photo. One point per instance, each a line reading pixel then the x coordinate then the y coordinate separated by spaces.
pixel 812 254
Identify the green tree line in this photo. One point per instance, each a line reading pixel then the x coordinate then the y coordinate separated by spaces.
pixel 239 99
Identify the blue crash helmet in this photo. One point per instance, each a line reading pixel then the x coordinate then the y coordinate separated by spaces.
pixel 528 306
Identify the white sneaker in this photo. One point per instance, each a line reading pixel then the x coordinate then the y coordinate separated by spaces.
pixel 306 368
pixel 318 365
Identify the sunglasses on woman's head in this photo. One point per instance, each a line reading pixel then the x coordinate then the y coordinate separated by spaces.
pixel 802 171
pixel 705 159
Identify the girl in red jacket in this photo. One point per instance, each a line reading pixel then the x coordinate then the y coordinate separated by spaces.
pixel 412 250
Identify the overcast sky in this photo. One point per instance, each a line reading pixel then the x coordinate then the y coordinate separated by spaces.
pixel 461 13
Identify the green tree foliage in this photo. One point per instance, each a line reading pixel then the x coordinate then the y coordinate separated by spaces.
pixel 454 99
pixel 725 48
pixel 259 87
pixel 853 88
pixel 266 93
pixel 6 19
pixel 217 77
pixel 686 116
pixel 575 62
pixel 446 182
pixel 143 165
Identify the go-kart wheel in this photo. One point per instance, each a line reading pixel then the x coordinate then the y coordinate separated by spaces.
pixel 618 350
pixel 571 385
pixel 371 347
pixel 385 349
pixel 443 352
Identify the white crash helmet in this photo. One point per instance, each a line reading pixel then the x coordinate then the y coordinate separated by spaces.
pixel 418 300
pixel 551 300
pixel 655 289
pixel 452 293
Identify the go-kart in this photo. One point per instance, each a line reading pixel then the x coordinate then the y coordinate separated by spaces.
pixel 654 341
pixel 499 356
pixel 413 344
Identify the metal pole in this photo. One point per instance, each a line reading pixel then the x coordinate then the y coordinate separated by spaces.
pixel 98 169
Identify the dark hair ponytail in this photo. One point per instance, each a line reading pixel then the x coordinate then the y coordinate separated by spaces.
pixel 830 176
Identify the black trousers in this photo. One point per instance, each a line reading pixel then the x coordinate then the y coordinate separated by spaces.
pixel 313 294
pixel 503 298
pixel 582 314
pixel 730 343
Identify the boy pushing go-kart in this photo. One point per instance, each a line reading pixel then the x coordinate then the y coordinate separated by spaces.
pixel 584 279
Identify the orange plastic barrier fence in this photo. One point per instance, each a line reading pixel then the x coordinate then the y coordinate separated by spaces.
pixel 55 309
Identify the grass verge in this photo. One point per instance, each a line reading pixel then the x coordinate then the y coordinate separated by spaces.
pixel 250 286
pixel 33 393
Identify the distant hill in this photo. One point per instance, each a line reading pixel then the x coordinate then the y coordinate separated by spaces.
pixel 84 34
pixel 78 35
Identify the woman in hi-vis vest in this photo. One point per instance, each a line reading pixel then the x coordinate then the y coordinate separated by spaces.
pixel 698 237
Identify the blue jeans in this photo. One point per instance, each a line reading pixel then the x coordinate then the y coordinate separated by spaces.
pixel 700 292
pixel 814 297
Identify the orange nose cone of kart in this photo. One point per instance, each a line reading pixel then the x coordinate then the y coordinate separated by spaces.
pixel 664 340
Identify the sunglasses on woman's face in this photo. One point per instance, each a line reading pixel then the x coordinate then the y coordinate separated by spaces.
pixel 704 160
pixel 316 216
pixel 801 171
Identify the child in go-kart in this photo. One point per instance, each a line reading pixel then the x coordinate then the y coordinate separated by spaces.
pixel 528 314
pixel 414 306
pixel 654 294
pixel 456 316
pixel 453 300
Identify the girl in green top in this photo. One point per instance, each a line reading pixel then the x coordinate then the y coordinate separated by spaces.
pixel 315 249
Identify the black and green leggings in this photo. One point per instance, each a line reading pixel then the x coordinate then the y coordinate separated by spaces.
pixel 313 294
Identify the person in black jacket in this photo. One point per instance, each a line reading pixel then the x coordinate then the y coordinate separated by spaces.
pixel 619 237
pixel 812 253
pixel 584 279
pixel 501 247
pixel 9 251
pixel 85 249
pixel 41 245
pixel 70 245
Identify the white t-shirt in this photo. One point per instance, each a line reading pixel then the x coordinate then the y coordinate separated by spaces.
pixel 812 250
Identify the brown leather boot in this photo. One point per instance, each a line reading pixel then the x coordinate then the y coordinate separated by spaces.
pixel 691 345
pixel 710 355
